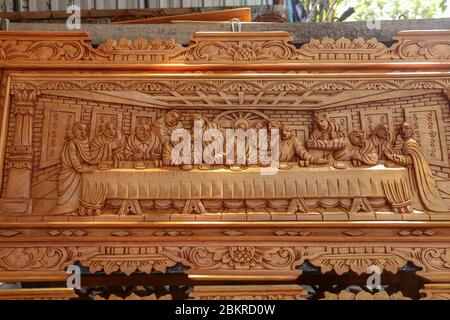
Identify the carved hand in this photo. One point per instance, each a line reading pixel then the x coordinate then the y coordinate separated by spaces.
pixel 357 162
pixel 309 144
pixel 158 163
pixel 304 163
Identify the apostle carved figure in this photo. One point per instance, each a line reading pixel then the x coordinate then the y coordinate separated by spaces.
pixel 75 161
pixel 357 150
pixel 210 137
pixel 326 130
pixel 245 147
pixel 380 139
pixel 109 145
pixel 408 153
pixel 353 148
pixel 292 149
pixel 144 145
pixel 164 126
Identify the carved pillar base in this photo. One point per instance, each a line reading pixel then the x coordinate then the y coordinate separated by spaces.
pixel 18 188
pixel 16 206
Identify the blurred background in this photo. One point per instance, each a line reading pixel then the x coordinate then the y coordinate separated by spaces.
pixel 302 11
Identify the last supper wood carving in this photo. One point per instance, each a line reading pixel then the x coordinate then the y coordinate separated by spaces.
pixel 240 156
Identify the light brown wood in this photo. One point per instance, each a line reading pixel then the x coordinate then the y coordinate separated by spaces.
pixel 88 174
pixel 37 294
pixel 243 14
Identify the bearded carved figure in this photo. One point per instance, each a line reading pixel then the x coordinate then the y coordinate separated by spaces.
pixel 144 145
pixel 211 140
pixel 326 130
pixel 164 126
pixel 380 139
pixel 75 159
pixel 292 149
pixel 109 145
pixel 408 153
pixel 357 150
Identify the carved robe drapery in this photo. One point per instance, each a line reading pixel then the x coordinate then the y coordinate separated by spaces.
pixel 75 154
pixel 333 131
pixel 138 150
pixel 366 155
pixel 107 149
pixel 293 149
pixel 421 178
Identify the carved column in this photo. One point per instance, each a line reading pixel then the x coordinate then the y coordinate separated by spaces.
pixel 18 188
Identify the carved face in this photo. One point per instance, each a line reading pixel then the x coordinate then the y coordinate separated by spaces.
pixel 259 124
pixel 110 130
pixel 143 132
pixel 172 118
pixel 406 131
pixel 242 124
pixel 382 132
pixel 322 124
pixel 199 120
pixel 273 124
pixel 357 138
pixel 286 133
pixel 80 131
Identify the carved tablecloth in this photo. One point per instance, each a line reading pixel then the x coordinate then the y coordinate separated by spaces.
pixel 176 184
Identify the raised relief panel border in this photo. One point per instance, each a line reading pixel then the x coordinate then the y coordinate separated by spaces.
pixel 218 48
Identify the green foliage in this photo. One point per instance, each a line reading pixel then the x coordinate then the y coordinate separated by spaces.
pixel 328 10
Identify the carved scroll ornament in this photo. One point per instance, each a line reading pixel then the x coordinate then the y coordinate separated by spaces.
pixel 223 47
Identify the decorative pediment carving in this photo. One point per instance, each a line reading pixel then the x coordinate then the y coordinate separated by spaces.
pixel 221 47
pixel 141 49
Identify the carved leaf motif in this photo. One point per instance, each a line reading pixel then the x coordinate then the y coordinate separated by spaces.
pixel 446 258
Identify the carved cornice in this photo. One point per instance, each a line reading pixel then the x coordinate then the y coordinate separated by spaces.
pixel 220 47
pixel 231 85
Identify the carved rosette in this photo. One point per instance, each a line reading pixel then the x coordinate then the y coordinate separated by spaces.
pixel 246 259
pixel 261 47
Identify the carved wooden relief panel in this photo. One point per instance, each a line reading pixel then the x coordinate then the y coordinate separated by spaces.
pixel 150 151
